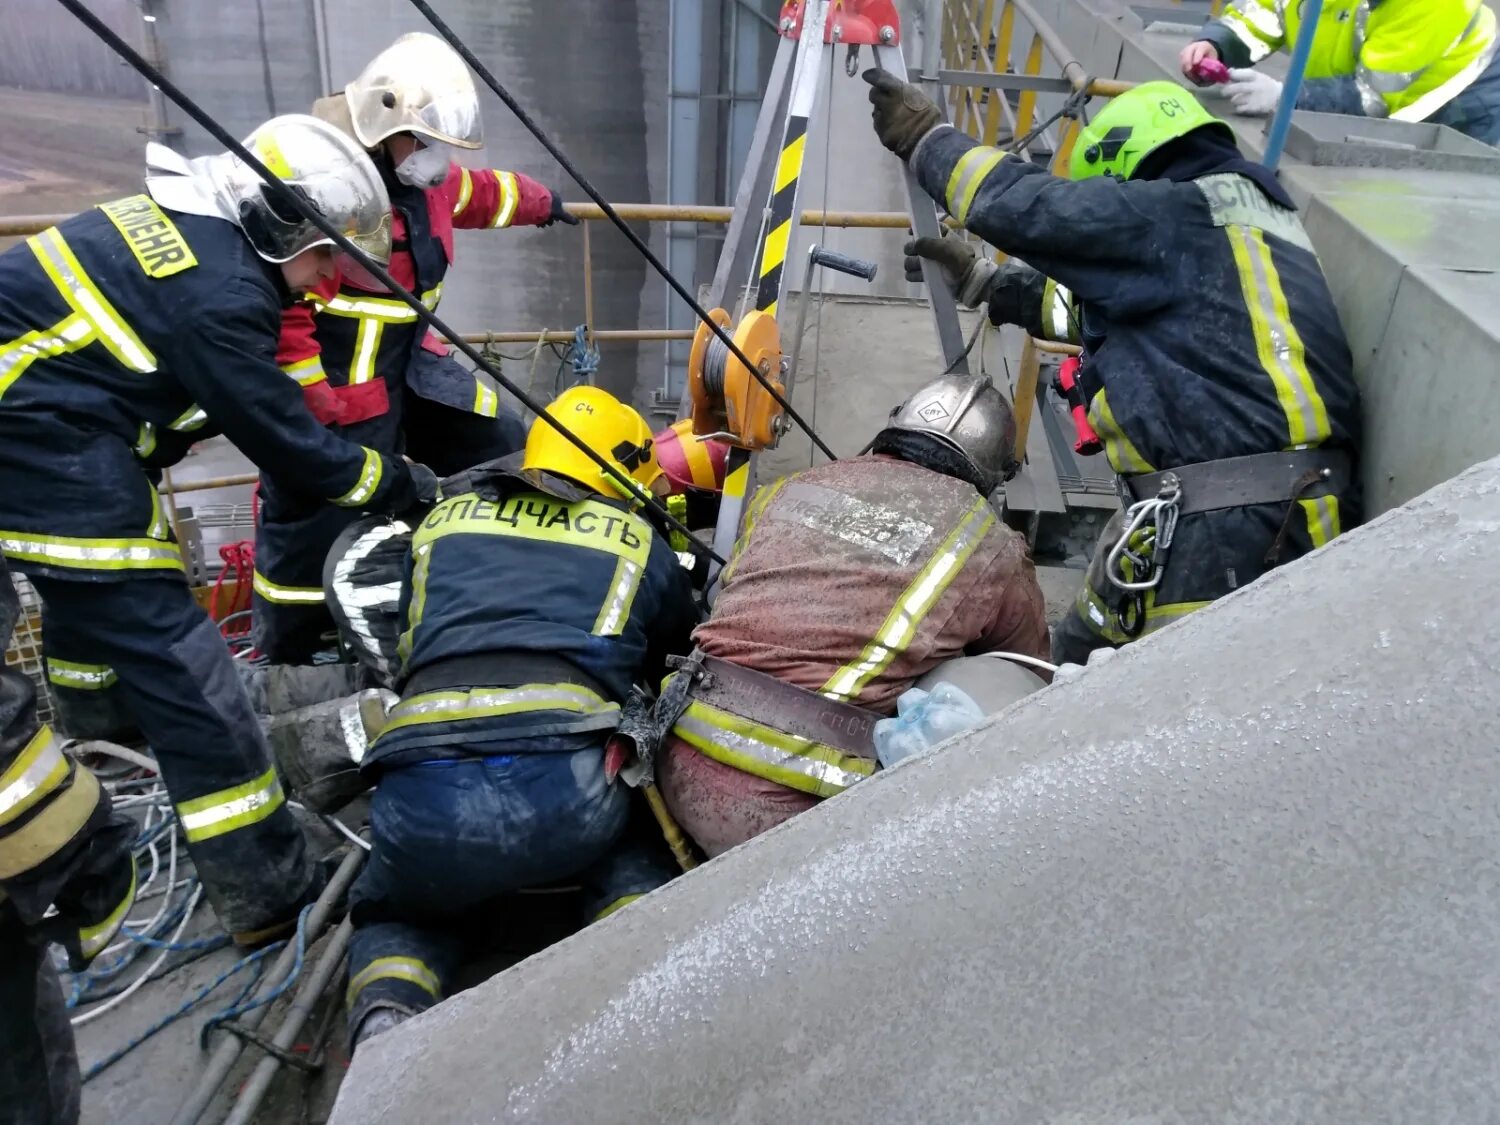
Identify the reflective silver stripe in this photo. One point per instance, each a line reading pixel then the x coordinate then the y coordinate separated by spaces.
pixel 84 297
pixel 379 308
pixel 225 811
pixel 306 372
pixel 1059 310
pixel 1257 46
pixel 455 705
pixel 145 443
pixel 613 614
pixel 737 742
pixel 358 601
pixel 486 401
pixel 368 483
pixel 395 968
pixel 509 197
pixel 99 554
pixel 190 419
pixel 286 595
pixel 83 677
pixel 968 174
pixel 36 771
pixel 15 357
pixel 900 626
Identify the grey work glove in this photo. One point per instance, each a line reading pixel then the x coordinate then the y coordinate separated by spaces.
pixel 903 114
pixel 967 274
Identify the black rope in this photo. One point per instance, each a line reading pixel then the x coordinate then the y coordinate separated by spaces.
pixel 635 240
pixel 311 214
pixel 1074 105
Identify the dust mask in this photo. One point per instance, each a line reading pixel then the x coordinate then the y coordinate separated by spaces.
pixel 426 167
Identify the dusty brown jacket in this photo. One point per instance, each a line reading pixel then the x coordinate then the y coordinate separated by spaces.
pixel 856 578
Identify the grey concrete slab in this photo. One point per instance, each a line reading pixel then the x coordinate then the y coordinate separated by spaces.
pixel 1244 870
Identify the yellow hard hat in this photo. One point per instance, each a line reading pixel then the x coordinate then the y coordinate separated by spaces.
pixel 607 426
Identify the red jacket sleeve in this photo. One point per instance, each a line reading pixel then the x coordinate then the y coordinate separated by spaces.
pixel 488 197
pixel 300 356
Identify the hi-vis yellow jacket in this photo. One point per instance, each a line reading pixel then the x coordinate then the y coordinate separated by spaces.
pixel 1403 59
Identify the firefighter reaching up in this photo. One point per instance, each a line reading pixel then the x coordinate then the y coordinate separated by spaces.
pixel 363 359
pixel 1217 374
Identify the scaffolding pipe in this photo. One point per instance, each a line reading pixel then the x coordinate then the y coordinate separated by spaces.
pixel 1072 69
pixel 20 226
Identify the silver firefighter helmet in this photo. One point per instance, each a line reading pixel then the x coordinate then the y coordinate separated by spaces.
pixel 418 85
pixel 325 167
pixel 968 415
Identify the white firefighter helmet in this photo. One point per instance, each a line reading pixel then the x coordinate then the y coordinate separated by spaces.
pixel 326 168
pixel 969 416
pixel 418 85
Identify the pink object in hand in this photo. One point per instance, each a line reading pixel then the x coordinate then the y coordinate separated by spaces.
pixel 1209 72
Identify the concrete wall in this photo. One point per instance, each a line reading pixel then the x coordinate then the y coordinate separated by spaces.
pixel 1180 887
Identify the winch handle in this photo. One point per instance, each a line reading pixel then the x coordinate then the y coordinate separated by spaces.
pixel 842 263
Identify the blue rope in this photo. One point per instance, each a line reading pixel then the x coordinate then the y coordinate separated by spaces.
pixel 255 959
pixel 585 356
pixel 238 1008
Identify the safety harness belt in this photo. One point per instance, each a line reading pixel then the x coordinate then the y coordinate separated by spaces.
pixel 1240 482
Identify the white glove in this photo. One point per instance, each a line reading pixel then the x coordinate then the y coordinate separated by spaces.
pixel 1252 93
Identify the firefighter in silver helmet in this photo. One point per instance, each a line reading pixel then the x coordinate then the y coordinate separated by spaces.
pixel 849 582
pixel 364 362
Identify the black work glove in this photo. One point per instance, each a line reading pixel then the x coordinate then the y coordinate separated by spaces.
pixel 903 114
pixel 425 493
pixel 92 905
pixel 559 213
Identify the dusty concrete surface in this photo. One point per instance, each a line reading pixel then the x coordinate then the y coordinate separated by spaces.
pixel 1243 871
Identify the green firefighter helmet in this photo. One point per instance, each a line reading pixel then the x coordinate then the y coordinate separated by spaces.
pixel 1134 125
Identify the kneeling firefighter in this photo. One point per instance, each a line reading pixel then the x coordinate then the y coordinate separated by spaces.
pixel 364 361
pixel 535 598
pixel 1216 372
pixel 849 582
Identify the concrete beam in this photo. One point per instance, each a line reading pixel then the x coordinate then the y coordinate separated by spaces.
pixel 1248 869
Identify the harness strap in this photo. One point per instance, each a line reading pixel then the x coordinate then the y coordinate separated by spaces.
pixel 1242 482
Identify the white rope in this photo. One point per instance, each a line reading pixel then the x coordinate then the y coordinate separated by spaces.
pixel 1020 658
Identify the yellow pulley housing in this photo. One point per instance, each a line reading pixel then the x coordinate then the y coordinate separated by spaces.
pixel 728 401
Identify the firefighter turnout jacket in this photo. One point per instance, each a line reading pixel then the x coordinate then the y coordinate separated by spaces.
pixel 853 580
pixel 570 598
pixel 124 323
pixel 1208 333
pixel 1403 59
pixel 352 349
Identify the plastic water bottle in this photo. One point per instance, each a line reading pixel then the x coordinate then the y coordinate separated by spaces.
pixel 923 719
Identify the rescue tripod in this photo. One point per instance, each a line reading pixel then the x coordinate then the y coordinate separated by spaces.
pixel 723 399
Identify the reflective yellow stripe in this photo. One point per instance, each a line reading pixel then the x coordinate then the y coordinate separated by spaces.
pixel 585 523
pixel 465 191
pixel 145 442
pixel 203 818
pixel 619 903
pixel 1057 313
pixel 963 182
pixel 1104 621
pixel 395 968
pixel 758 504
pixel 1277 341
pixel 916 601
pixel 67 335
pixel 505 210
pixel 91 554
pixel 83 297
pixel 93 939
pixel 1323 522
pixel 381 308
pixel 488 703
pixel 52 828
pixel 157 528
pixel 306 371
pixel 80 677
pixel 804 765
pixel 1258 45
pixel 268 149
pixel 368 483
pixel 287 595
pixel 1124 457
pixel 486 401
pixel 422 553
pixel 366 349
pixel 37 770
pixel 616 608
pixel 189 420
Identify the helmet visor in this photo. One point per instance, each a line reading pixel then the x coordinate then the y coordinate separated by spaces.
pixel 452 118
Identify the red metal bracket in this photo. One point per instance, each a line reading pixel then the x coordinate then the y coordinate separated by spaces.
pixel 857 23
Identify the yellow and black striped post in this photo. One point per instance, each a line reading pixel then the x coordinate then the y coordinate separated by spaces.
pixel 782 214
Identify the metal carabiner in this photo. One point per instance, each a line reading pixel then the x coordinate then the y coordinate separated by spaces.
pixel 1160 512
